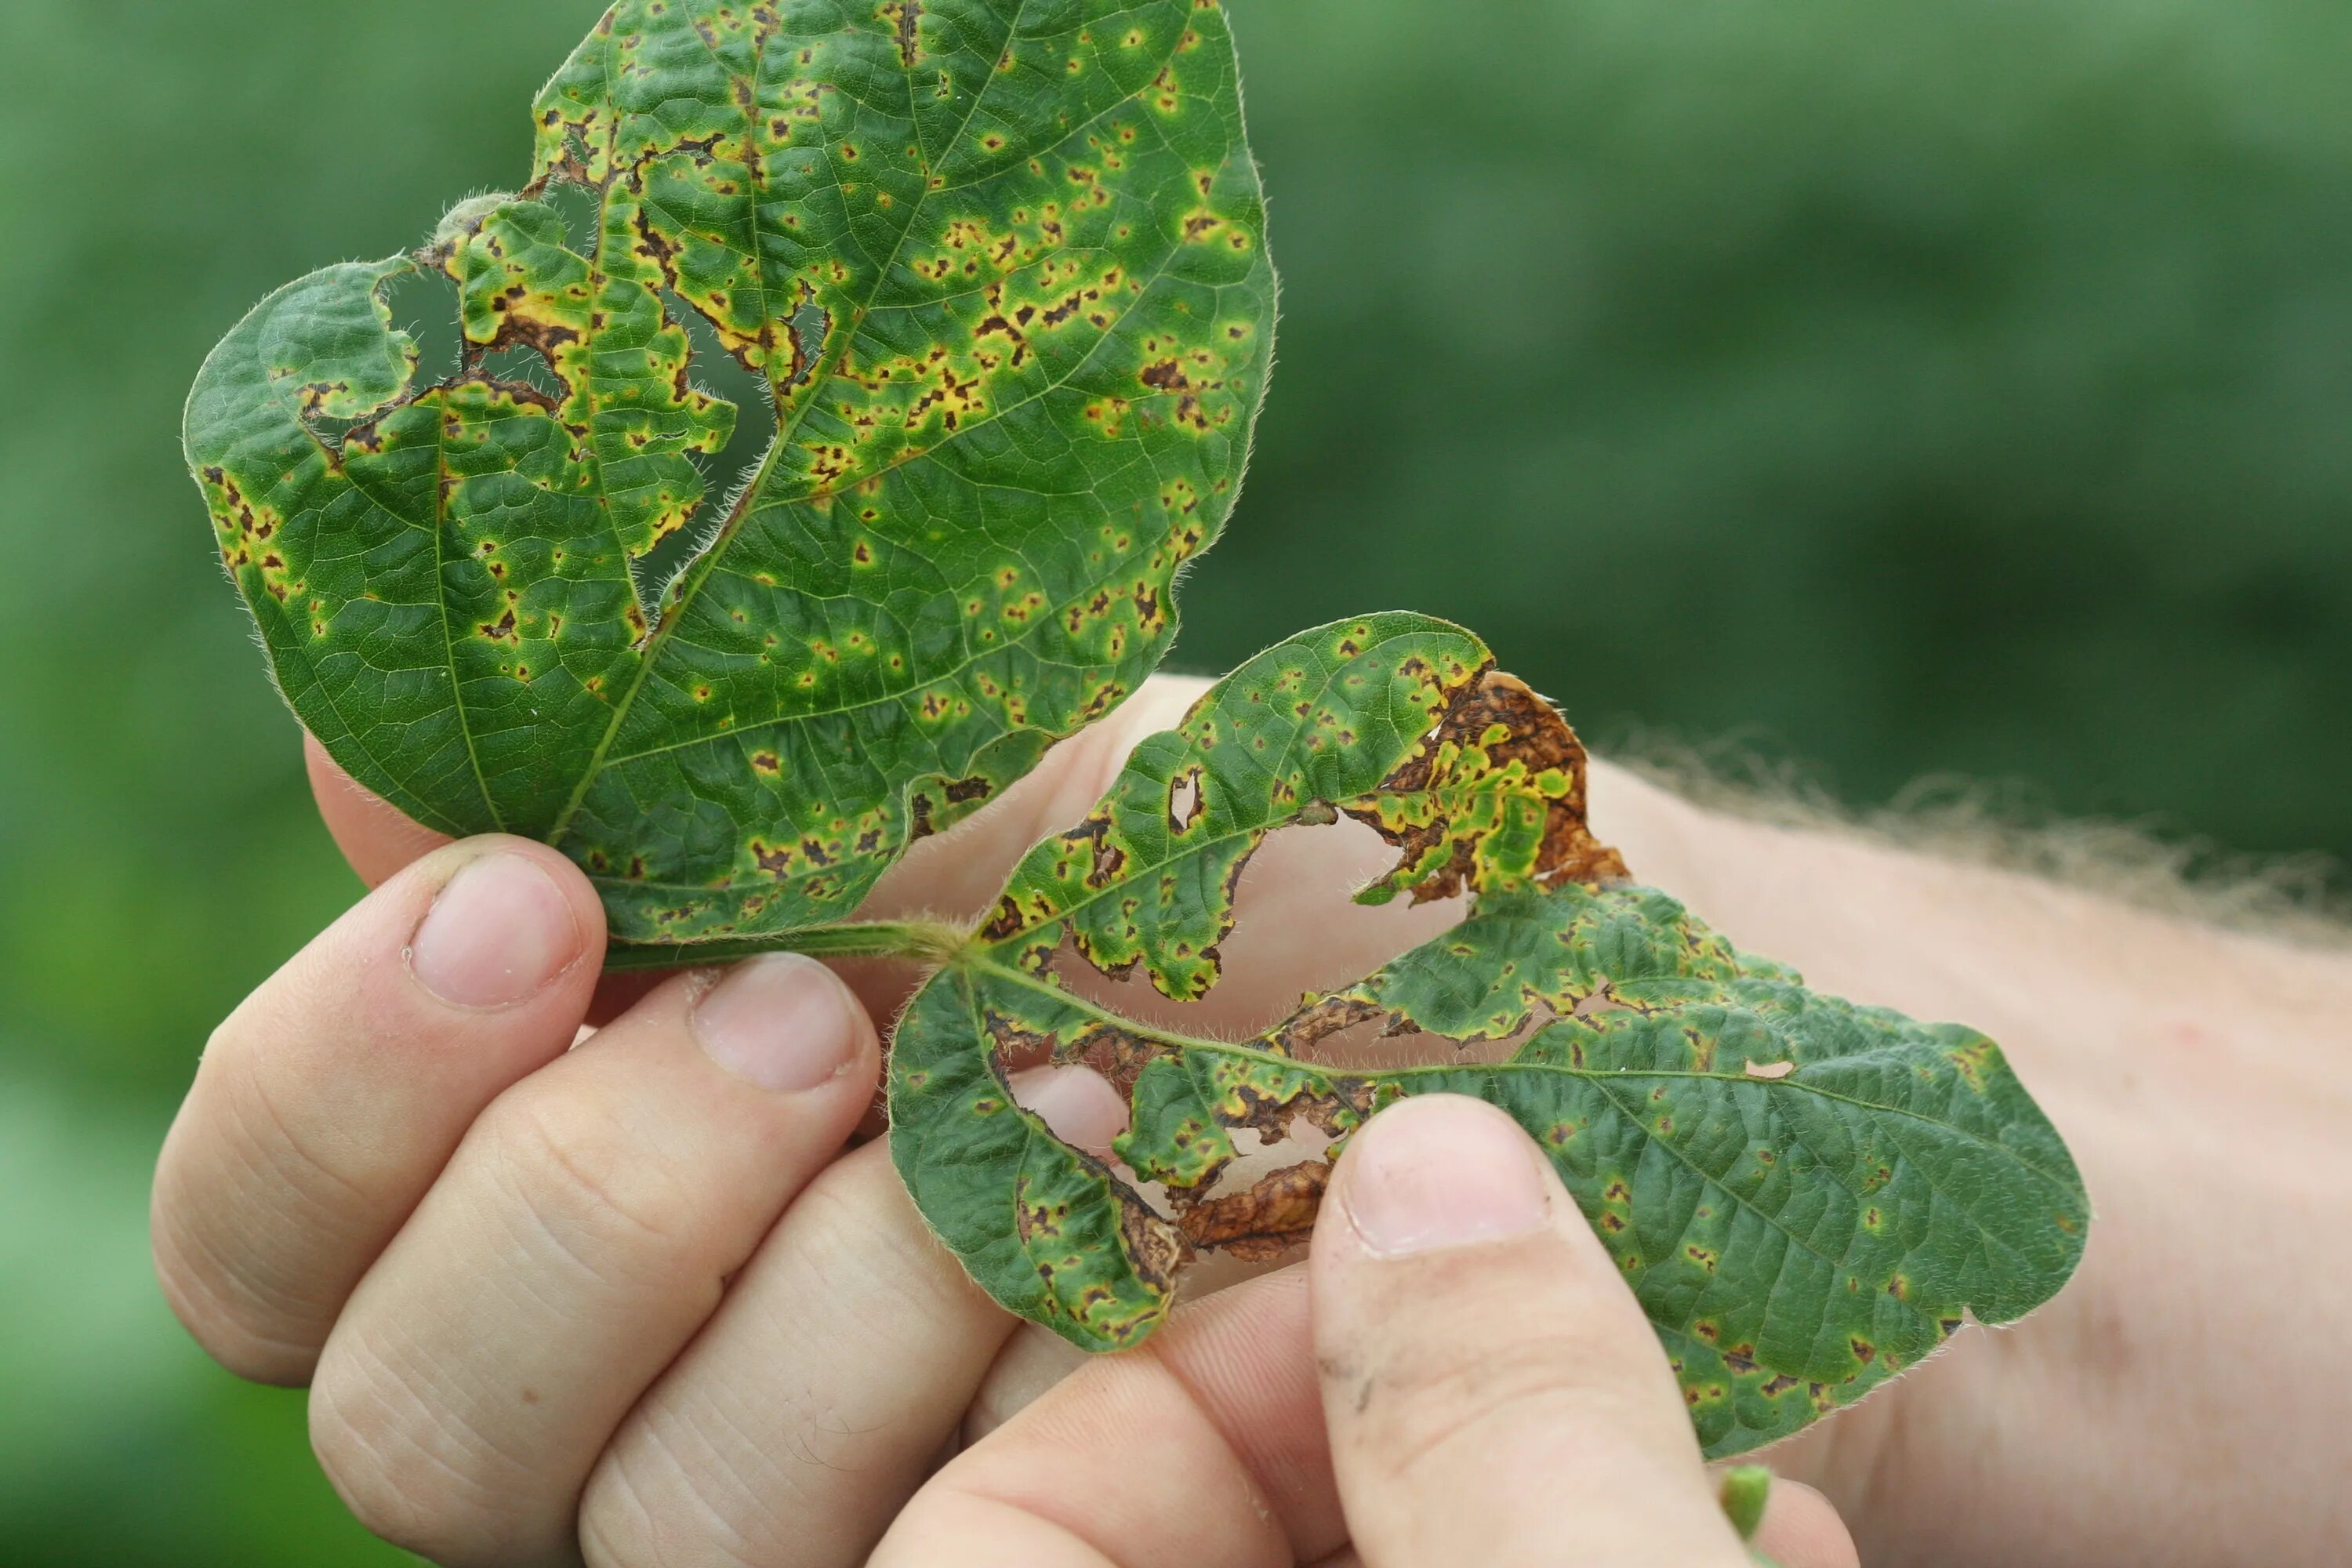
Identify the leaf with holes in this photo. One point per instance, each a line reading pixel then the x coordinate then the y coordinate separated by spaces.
pixel 1001 269
pixel 1807 1197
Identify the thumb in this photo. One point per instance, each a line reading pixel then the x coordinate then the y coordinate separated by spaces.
pixel 1492 1391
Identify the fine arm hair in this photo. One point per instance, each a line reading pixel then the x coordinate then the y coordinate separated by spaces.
pixel 2299 899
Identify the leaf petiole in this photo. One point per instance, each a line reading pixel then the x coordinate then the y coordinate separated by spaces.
pixel 932 942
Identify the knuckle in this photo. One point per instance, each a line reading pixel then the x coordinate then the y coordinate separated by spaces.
pixel 590 1188
pixel 853 1232
pixel 240 1334
pixel 293 1166
pixel 233 1217
pixel 649 1506
pixel 411 1478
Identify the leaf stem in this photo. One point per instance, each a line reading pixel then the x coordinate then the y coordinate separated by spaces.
pixel 932 942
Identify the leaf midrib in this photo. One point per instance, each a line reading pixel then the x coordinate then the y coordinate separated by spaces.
pixel 787 428
pixel 986 960
pixel 1599 1079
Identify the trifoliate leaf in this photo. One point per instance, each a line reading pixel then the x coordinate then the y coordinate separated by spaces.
pixel 1806 1195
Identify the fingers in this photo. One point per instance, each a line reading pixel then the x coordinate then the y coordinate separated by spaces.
pixel 581 1233
pixel 814 1403
pixel 1491 1394
pixel 1034 1362
pixel 1494 1393
pixel 1802 1530
pixel 327 1103
pixel 1204 1450
pixel 379 839
pixel 821 1394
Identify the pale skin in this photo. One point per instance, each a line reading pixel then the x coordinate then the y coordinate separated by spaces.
pixel 650 1300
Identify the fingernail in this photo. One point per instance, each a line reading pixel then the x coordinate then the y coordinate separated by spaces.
pixel 1077 1103
pixel 783 1020
pixel 1442 1172
pixel 497 934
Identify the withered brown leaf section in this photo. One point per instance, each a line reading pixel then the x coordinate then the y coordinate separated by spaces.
pixel 1272 1215
pixel 1505 760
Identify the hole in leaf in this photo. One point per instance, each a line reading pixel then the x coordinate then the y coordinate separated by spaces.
pixel 719 372
pixel 580 208
pixel 424 306
pixel 523 365
pixel 1184 800
pixel 1257 1154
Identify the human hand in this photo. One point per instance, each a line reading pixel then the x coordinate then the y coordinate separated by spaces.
pixel 630 1301
pixel 1473 1387
pixel 825 1370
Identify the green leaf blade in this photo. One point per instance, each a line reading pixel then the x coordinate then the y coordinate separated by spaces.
pixel 1807 1197
pixel 1002 270
pixel 1036 1240
pixel 375 557
pixel 1316 721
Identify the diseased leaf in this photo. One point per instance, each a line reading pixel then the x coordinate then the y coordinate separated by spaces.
pixel 1806 1195
pixel 1338 725
pixel 1002 266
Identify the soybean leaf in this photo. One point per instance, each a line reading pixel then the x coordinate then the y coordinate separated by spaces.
pixel 1001 267
pixel 1807 1197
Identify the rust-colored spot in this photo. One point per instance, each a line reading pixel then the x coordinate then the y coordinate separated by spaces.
pixel 906 13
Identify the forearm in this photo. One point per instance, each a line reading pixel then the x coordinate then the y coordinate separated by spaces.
pixel 2168 1408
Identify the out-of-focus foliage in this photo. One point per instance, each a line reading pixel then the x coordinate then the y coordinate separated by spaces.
pixel 1964 385
pixel 1955 385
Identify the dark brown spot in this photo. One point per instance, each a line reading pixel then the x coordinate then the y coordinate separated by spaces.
pixel 1276 1214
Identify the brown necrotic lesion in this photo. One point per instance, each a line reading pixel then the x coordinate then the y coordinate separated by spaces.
pixel 1244 1176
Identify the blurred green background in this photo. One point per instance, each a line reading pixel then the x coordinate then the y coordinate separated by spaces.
pixel 1952 384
